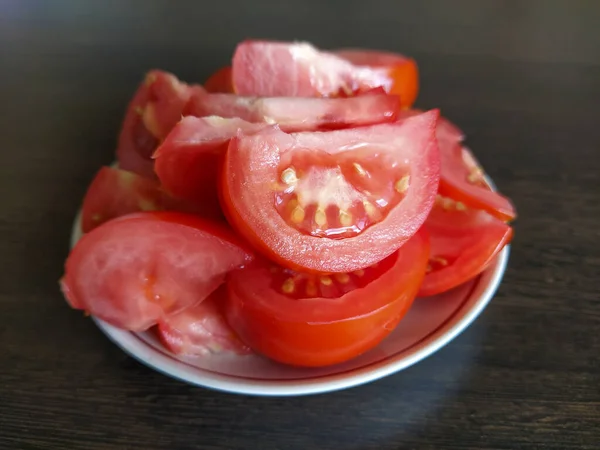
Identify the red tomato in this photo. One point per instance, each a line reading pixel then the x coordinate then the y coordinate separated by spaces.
pixel 201 329
pixel 220 81
pixel 114 193
pixel 400 74
pixel 309 320
pixel 463 243
pixel 156 107
pixel 462 178
pixel 298 114
pixel 136 270
pixel 284 69
pixel 332 201
pixel 188 161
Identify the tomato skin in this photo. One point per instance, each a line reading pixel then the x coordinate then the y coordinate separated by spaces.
pixel 245 191
pixel 466 241
pixel 114 193
pixel 401 73
pixel 220 81
pixel 201 329
pixel 134 270
pixel 316 332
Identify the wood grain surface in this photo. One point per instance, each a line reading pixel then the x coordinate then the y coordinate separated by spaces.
pixel 522 78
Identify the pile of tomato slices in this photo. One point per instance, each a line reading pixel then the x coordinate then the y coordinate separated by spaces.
pixel 293 206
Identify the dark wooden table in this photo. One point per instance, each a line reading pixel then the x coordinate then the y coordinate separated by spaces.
pixel 522 79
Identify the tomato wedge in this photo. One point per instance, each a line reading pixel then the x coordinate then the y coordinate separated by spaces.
pixel 298 69
pixel 220 81
pixel 115 193
pixel 188 161
pixel 463 243
pixel 295 113
pixel 317 320
pixel 155 108
pixel 399 73
pixel 136 270
pixel 201 329
pixel 332 201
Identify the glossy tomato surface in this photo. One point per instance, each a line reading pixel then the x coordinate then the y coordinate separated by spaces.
pixel 220 81
pixel 136 270
pixel 316 320
pixel 201 329
pixel 188 161
pixel 297 113
pixel 332 201
pixel 399 74
pixel 463 243
pixel 115 193
pixel 155 108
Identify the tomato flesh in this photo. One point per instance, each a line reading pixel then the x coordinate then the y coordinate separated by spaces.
pixel 136 270
pixel 188 161
pixel 201 330
pixel 308 320
pixel 283 69
pixel 463 243
pixel 400 74
pixel 298 114
pixel 155 108
pixel 115 193
pixel 332 201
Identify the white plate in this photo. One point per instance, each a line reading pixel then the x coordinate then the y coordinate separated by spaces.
pixel 429 325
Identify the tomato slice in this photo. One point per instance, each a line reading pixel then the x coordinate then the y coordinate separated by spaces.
pixel 310 320
pixel 114 193
pixel 298 114
pixel 201 329
pixel 332 201
pixel 188 161
pixel 462 177
pixel 155 108
pixel 399 73
pixel 135 270
pixel 463 243
pixel 220 81
pixel 298 69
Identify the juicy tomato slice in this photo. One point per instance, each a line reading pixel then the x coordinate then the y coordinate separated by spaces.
pixel 462 177
pixel 316 320
pixel 463 243
pixel 136 270
pixel 220 81
pixel 114 193
pixel 188 161
pixel 332 201
pixel 295 113
pixel 155 108
pixel 399 73
pixel 298 69
pixel 201 329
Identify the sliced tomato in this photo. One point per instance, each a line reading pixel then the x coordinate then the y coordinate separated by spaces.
pixel 332 201
pixel 462 177
pixel 115 193
pixel 316 320
pixel 399 73
pixel 188 161
pixel 298 69
pixel 298 114
pixel 201 329
pixel 463 243
pixel 156 107
pixel 135 270
pixel 220 81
